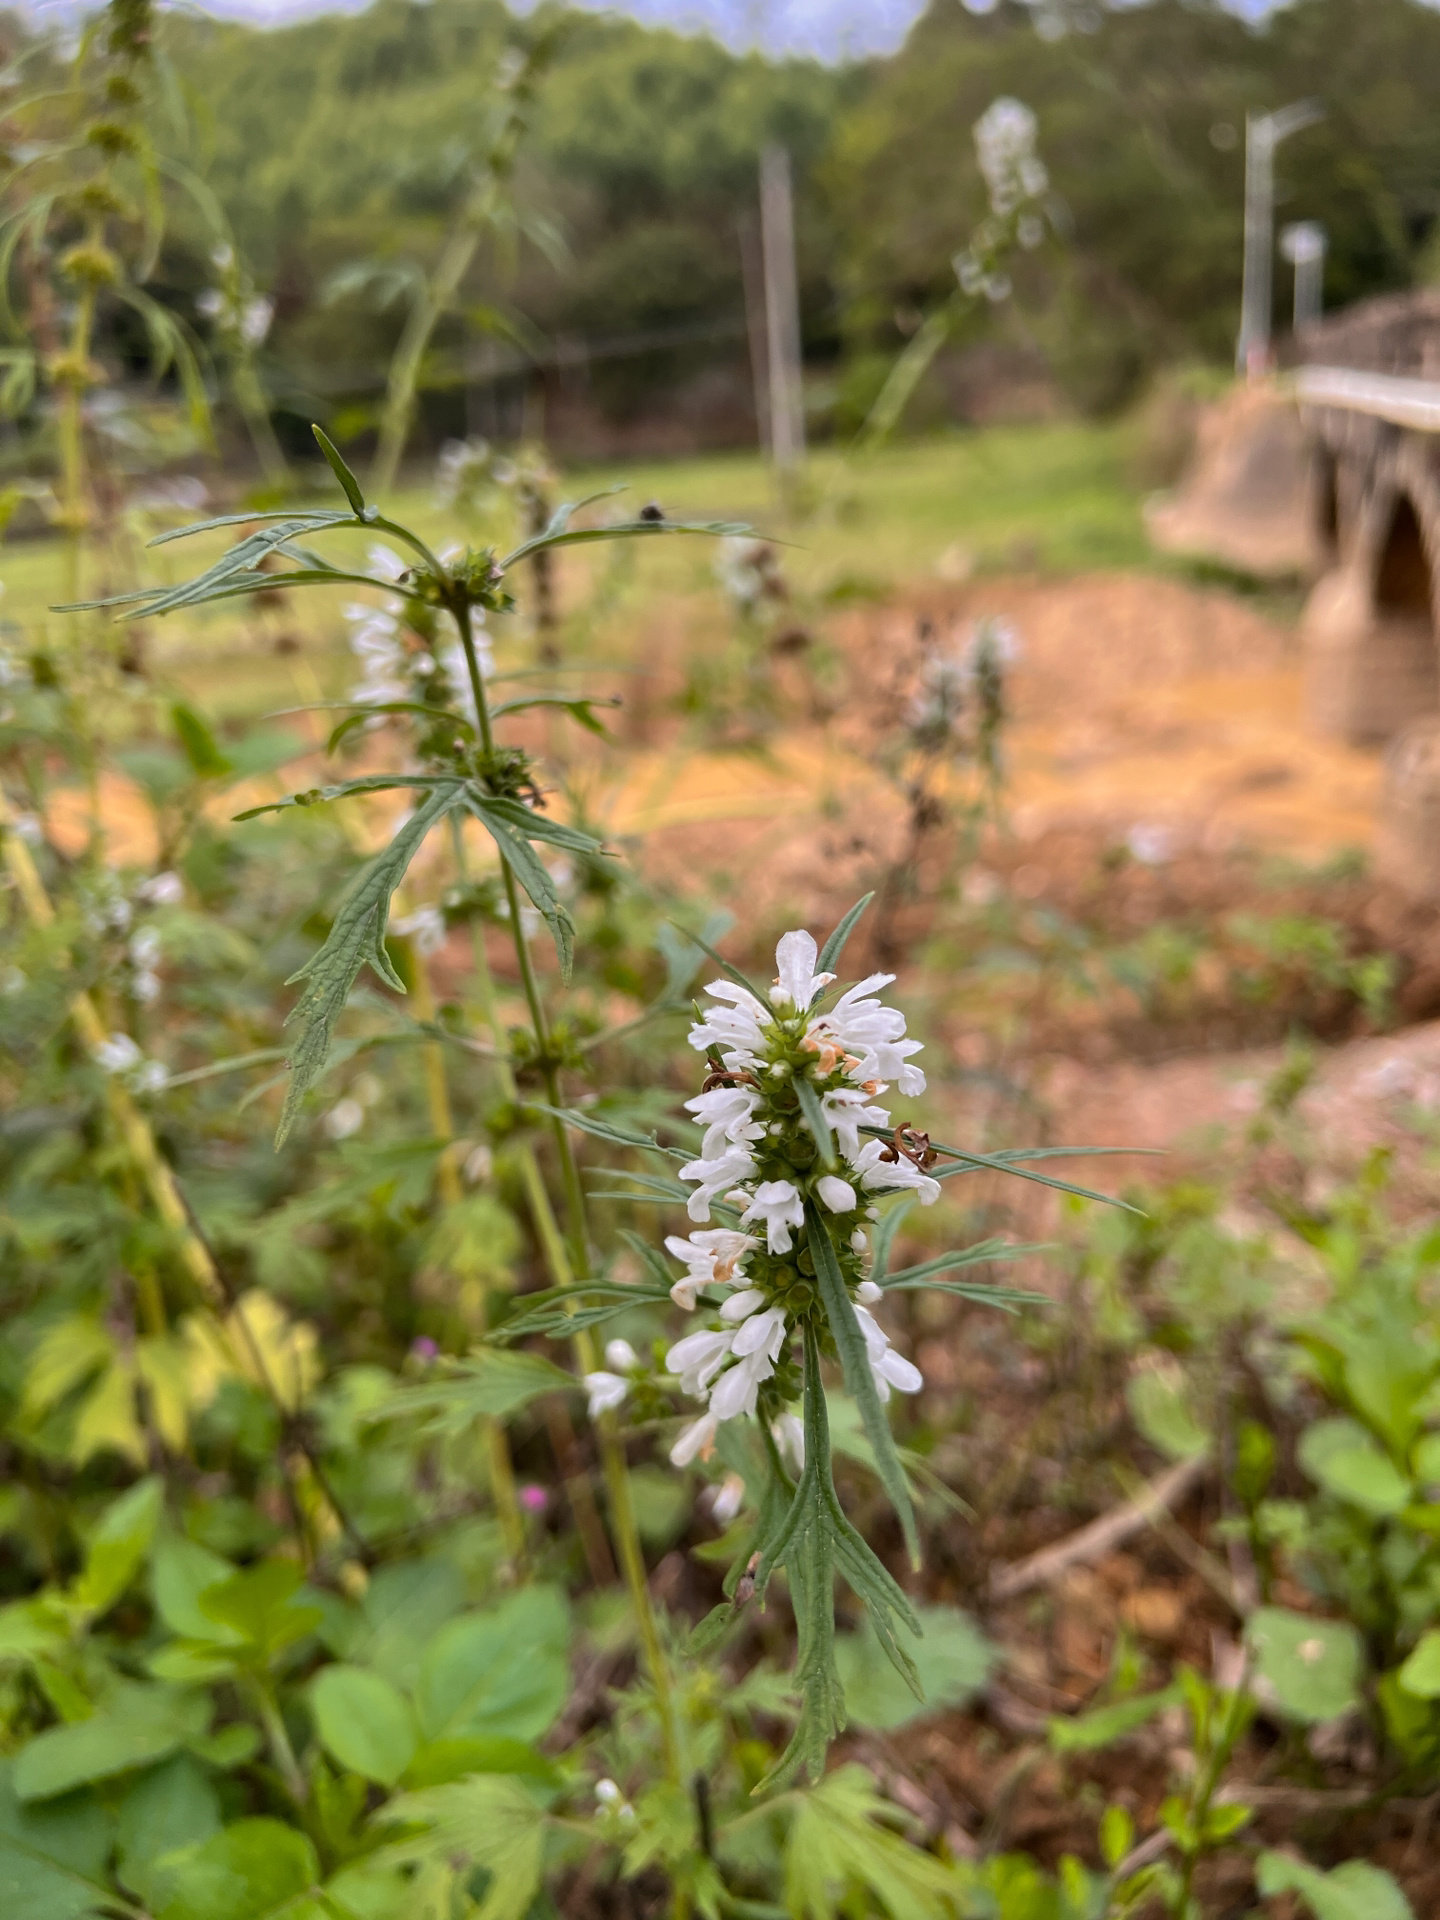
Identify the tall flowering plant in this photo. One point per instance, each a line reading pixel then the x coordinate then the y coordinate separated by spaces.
pixel 801 1174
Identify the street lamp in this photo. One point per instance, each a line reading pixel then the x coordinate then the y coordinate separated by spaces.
pixel 1303 245
pixel 1263 134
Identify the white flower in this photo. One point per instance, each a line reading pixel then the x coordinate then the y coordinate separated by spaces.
pixel 347 1116
pixel 869 1293
pixel 778 1204
pixel 741 1305
pixel 714 1177
pixel 798 983
pixel 118 1054
pixel 880 1176
pixel 861 1026
pixel 848 1109
pixel 696 1442
pixel 737 1029
pixel 385 563
pixel 425 926
pixel 145 948
pixel 757 1348
pixel 713 1259
pixel 727 1115
pixel 164 890
pixel 727 1499
pixel 28 827
pixel 621 1355
pixel 789 1435
pixel 838 1194
pixel 698 1358
pixel 889 1368
pixel 146 988
pixel 255 318
pixel 479 1164
pixel 149 1077
pixel 605 1390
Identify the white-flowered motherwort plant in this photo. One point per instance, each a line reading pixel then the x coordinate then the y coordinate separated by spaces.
pixel 799 1185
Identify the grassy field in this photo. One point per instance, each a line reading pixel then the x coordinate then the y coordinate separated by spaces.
pixel 1052 497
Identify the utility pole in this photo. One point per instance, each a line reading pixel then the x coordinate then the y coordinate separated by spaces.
pixel 782 310
pixel 1263 134
pixel 1304 245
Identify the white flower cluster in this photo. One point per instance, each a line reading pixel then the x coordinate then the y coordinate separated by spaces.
pixel 749 571
pixel 1006 147
pixel 1016 180
pixel 397 664
pixel 119 1055
pixel 761 1161
pixel 947 678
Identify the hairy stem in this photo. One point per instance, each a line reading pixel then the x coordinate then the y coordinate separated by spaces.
pixel 612 1451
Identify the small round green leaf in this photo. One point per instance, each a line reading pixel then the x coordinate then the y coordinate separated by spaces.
pixel 1311 1667
pixel 365 1723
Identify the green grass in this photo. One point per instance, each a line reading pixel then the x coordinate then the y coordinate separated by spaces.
pixel 1052 497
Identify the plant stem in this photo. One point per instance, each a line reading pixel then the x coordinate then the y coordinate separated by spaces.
pixel 612 1451
pixel 557 1261
pixel 447 1179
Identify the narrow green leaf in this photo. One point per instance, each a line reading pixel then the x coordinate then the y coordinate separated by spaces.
pixel 312 521
pixel 813 1114
pixel 490 1384
pixel 538 826
pixel 859 1380
pixel 369 783
pixel 731 973
pixel 833 948
pixel 997 1163
pixel 342 473
pixel 883 1238
pixel 199 744
pixel 623 530
pixel 596 1125
pixel 982 1254
pixel 356 939
pixel 530 871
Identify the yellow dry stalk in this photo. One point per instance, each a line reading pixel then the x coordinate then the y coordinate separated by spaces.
pixel 132 1125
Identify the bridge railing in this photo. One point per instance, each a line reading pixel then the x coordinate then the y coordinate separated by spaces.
pixel 1404 403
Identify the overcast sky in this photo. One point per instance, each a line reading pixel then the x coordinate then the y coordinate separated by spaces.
pixel 830 29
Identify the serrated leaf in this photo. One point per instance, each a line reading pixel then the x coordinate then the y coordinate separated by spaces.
pixel 490 1821
pixel 250 1870
pixel 957 1660
pixel 830 953
pixel 859 1380
pixel 356 939
pixel 349 484
pixel 807 1533
pixel 530 871
pixel 490 1384
pixel 840 1838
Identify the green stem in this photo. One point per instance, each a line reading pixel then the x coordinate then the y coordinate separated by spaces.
pixel 612 1451
pixel 278 1737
